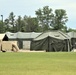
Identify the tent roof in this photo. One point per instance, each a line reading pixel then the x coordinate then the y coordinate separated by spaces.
pixel 27 35
pixel 11 35
pixel 72 34
pixel 2 36
pixel 54 34
pixel 22 35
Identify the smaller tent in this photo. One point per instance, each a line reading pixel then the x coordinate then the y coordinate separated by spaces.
pixel 51 41
pixel 3 37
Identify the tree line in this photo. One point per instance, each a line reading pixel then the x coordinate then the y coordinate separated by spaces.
pixel 46 19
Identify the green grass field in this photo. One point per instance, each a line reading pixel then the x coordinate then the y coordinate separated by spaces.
pixel 44 63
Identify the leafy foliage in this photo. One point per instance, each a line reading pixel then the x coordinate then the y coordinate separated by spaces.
pixel 12 21
pixel 45 19
pixel 59 19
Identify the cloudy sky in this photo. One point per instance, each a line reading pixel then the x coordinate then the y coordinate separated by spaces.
pixel 28 7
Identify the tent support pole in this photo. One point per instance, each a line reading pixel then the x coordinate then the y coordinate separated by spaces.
pixel 48 43
pixel 68 46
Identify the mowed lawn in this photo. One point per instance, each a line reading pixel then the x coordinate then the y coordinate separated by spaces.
pixel 33 63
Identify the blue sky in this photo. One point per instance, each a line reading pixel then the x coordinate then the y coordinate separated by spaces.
pixel 28 7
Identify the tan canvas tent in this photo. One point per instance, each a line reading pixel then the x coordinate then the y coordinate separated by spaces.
pixel 2 36
pixel 6 45
pixel 10 46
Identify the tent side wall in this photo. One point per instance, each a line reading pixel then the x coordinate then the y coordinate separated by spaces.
pixel 39 45
pixel 58 45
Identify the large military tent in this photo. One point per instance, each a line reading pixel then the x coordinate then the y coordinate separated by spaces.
pixel 23 38
pixel 72 36
pixel 51 41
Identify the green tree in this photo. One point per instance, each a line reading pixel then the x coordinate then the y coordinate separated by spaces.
pixel 31 24
pixel 6 23
pixel 2 27
pixel 59 20
pixel 65 29
pixel 44 17
pixel 12 20
pixel 19 23
pixel 71 29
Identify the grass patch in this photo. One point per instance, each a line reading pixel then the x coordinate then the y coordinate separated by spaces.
pixel 46 63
